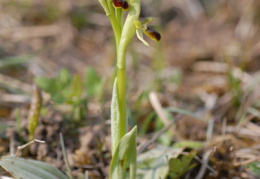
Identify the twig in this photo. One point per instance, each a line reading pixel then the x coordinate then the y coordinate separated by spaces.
pixel 19 85
pixel 224 127
pixel 19 148
pixel 246 162
pixel 210 131
pixel 65 156
pixel 14 83
pixel 205 160
pixel 12 146
pixel 5 177
pixel 92 167
pixel 14 98
pixel 199 160
pixel 86 174
pixel 35 32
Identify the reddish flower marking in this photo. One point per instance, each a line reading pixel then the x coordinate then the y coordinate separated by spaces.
pixel 121 4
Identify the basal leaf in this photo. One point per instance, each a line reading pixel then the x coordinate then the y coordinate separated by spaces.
pixel 154 164
pixel 30 169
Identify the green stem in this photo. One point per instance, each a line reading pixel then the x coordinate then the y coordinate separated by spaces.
pixel 116 29
pixel 116 20
pixel 119 13
pixel 128 31
pixel 116 26
pixel 123 32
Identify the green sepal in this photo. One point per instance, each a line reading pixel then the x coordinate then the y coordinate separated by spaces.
pixel 139 33
pixel 146 20
pixel 105 6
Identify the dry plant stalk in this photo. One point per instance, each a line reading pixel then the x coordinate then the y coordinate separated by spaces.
pixel 34 113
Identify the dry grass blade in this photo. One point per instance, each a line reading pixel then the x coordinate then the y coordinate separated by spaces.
pixel 37 31
pixel 14 83
pixel 159 110
pixel 65 156
pixel 19 148
pixel 14 98
pixel 204 165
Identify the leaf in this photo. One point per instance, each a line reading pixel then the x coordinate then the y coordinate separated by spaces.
pixel 58 87
pixel 154 164
pixel 123 163
pixel 189 144
pixel 15 60
pixel 181 111
pixel 179 167
pixel 93 82
pixel 76 90
pixel 254 167
pixel 186 159
pixel 188 168
pixel 64 77
pixel 54 85
pixel 146 123
pixel 175 165
pixel 46 84
pixel 30 169
pixel 115 115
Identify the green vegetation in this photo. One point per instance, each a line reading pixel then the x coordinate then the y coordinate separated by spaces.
pixel 188 107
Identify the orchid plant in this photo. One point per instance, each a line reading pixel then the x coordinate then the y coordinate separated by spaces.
pixel 123 163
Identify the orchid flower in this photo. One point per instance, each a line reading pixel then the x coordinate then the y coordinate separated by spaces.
pixel 141 27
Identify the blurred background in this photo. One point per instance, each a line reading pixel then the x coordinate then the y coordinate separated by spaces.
pixel 206 68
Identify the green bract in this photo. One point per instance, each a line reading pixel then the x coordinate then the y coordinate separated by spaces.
pixel 115 122
pixel 123 164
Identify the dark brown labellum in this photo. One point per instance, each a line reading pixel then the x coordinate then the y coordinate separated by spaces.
pixel 118 3
pixel 121 4
pixel 152 34
pixel 125 5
